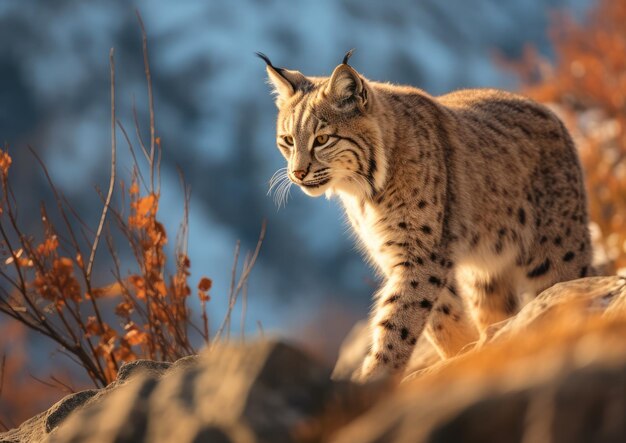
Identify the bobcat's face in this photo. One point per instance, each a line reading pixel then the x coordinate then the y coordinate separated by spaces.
pixel 326 131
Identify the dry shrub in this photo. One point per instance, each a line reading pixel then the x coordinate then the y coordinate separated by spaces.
pixel 587 80
pixel 22 394
pixel 47 281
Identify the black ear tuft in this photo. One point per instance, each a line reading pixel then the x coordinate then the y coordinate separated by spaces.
pixel 284 81
pixel 345 57
pixel 265 58
pixel 267 61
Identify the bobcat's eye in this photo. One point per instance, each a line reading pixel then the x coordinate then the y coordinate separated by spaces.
pixel 321 139
pixel 288 139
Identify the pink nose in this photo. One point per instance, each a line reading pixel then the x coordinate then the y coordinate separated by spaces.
pixel 300 174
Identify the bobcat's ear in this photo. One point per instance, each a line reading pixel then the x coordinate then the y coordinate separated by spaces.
pixel 284 81
pixel 347 87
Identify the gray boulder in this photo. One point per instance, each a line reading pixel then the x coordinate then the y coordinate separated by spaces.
pixel 253 392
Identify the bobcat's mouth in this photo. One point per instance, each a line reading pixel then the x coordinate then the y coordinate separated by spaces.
pixel 315 183
pixel 315 188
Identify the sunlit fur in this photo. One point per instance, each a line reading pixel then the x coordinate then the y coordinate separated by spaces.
pixel 468 204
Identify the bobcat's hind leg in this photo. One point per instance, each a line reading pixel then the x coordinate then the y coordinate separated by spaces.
pixel 449 327
pixel 490 299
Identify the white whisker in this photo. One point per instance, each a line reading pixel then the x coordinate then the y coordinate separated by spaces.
pixel 276 185
pixel 280 185
pixel 283 194
pixel 278 175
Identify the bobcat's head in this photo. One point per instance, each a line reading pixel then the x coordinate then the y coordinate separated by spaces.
pixel 328 131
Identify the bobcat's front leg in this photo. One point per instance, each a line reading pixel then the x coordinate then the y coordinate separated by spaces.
pixel 402 309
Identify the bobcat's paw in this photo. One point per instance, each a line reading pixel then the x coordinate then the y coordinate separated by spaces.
pixel 371 370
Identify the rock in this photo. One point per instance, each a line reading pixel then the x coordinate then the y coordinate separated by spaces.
pixel 137 367
pixel 37 428
pixel 62 409
pixel 579 298
pixel 253 392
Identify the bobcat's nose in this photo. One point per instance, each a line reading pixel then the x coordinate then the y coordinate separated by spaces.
pixel 300 174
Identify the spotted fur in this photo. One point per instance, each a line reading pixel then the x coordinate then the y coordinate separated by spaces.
pixel 469 204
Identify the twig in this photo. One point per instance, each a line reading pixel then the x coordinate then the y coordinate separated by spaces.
pixel 146 63
pixel 260 326
pixel 96 375
pixel 244 306
pixel 68 387
pixel 4 425
pixel 96 240
pixel 51 331
pixel 231 293
pixel 2 371
pixel 57 197
pixel 83 224
pixel 132 153
pixel 43 382
pixel 182 237
pixel 90 364
pixel 245 273
pixel 138 132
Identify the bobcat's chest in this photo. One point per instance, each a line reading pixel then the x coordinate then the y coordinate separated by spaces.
pixel 371 226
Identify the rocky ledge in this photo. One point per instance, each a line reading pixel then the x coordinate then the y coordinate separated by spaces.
pixel 555 372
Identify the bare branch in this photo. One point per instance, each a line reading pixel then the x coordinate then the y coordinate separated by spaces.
pixel 138 132
pixel 2 372
pixel 146 64
pixel 96 240
pixel 245 273
pixel 132 153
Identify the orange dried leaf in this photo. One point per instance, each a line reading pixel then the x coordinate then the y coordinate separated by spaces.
pixel 146 204
pixel 123 309
pixel 124 353
pixel 49 245
pixel 160 287
pixel 134 188
pixel 92 326
pixel 112 290
pixel 5 162
pixel 136 281
pixel 135 337
pixel 17 254
pixel 205 284
pixel 109 334
pixel 64 262
pixel 25 262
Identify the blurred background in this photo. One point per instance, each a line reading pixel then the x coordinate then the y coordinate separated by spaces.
pixel 215 118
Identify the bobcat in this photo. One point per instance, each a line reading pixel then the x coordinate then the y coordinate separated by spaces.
pixel 468 204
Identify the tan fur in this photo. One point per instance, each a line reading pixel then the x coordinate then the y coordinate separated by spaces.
pixel 468 204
